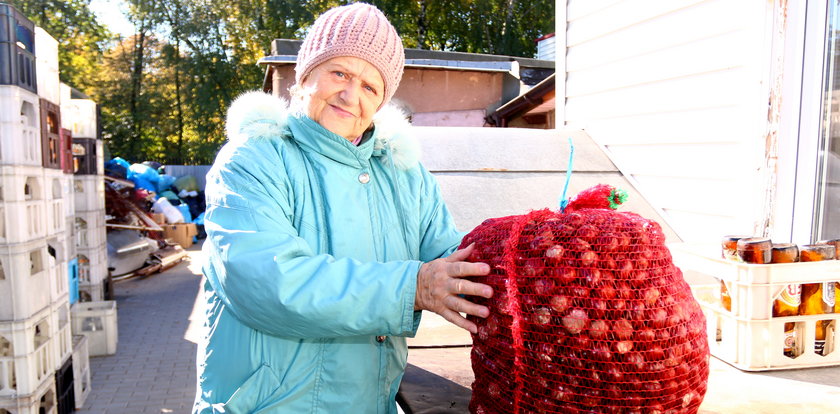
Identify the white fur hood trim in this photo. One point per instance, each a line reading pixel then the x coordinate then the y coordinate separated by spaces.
pixel 255 115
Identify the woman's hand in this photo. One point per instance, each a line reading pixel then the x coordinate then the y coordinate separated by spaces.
pixel 439 283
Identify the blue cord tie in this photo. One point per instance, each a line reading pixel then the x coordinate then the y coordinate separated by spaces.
pixel 563 200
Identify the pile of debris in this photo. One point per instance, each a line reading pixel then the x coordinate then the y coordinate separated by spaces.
pixel 151 217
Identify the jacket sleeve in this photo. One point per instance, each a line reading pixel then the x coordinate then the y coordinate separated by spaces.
pixel 438 235
pixel 270 278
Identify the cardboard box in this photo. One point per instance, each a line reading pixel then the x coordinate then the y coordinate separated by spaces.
pixel 181 233
pixel 159 218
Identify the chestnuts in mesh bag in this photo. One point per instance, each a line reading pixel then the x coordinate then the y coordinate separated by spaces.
pixel 589 314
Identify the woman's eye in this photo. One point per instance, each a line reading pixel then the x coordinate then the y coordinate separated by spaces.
pixel 339 74
pixel 370 89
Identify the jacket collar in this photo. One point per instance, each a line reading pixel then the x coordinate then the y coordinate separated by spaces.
pixel 256 115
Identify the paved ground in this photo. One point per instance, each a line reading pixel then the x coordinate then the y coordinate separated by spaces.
pixel 154 368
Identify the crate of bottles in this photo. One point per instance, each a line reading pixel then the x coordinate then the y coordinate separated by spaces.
pixel 20 127
pixel 24 279
pixel 89 229
pixel 742 330
pixel 93 264
pixel 26 354
pixel 89 192
pixel 17 49
pixel 87 156
pixel 81 369
pixel 97 321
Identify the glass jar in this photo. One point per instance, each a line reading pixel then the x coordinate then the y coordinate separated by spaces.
pixel 784 253
pixel 755 250
pixel 816 252
pixel 729 247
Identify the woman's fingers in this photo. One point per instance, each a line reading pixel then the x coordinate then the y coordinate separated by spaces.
pixel 462 305
pixel 459 320
pixel 466 287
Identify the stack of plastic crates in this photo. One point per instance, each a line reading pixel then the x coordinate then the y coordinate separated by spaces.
pixel 35 248
pixel 748 336
pixel 80 120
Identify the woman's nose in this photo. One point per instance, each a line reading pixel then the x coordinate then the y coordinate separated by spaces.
pixel 350 93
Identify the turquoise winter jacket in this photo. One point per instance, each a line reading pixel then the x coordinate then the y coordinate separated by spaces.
pixel 313 248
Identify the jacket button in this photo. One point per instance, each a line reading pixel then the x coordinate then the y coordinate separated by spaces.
pixel 364 178
pixel 380 339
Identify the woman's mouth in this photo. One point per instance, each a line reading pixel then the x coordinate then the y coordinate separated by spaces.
pixel 341 112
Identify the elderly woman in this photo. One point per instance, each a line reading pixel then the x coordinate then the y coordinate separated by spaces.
pixel 326 237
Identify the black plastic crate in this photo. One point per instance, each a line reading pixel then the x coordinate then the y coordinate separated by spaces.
pixel 51 149
pixel 17 49
pixel 108 287
pixel 15 27
pixel 84 156
pixel 65 393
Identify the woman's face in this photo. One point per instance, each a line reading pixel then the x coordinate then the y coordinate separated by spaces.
pixel 345 92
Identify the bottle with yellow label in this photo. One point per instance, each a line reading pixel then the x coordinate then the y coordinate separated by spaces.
pixel 787 304
pixel 818 299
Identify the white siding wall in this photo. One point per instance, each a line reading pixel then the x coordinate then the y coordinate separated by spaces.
pixel 676 91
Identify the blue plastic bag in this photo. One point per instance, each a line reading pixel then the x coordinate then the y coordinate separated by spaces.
pixel 165 182
pixel 144 177
pixel 185 211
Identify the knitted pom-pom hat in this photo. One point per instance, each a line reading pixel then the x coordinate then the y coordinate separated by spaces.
pixel 359 30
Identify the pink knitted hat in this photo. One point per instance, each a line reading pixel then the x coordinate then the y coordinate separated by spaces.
pixel 359 30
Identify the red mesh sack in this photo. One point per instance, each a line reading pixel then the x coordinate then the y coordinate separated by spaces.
pixel 589 314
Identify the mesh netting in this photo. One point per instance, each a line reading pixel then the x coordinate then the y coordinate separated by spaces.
pixel 589 314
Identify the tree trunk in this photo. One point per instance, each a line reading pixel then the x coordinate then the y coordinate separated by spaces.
pixel 421 26
pixel 505 43
pixel 136 85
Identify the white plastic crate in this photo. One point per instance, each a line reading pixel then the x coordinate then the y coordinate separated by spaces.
pixel 97 321
pixel 23 221
pixel 68 194
pixel 46 67
pixel 26 354
pixel 20 127
pixel 749 337
pixel 92 292
pixel 57 183
pixel 89 229
pixel 79 116
pixel 93 264
pixel 89 192
pixel 759 345
pixel 62 338
pixel 58 256
pixel 24 280
pixel 22 183
pixel 42 401
pixel 100 158
pixel 81 370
